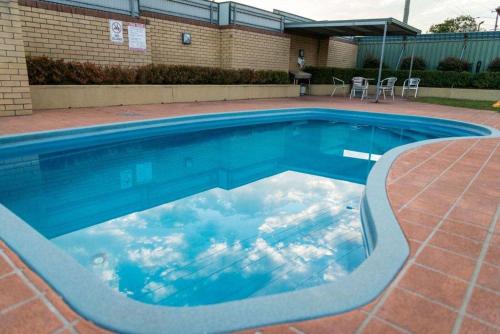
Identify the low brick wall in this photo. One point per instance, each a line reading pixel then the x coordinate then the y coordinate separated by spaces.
pixel 75 96
pixel 14 88
pixel 243 47
pixel 461 93
pixel 452 93
pixel 77 34
pixel 166 47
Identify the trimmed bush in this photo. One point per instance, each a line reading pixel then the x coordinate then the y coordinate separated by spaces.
pixel 486 80
pixel 372 62
pixel 46 71
pixel 418 64
pixel 453 64
pixel 494 65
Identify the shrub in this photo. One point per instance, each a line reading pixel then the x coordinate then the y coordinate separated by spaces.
pixel 371 62
pixel 46 71
pixel 453 64
pixel 418 64
pixel 486 80
pixel 494 65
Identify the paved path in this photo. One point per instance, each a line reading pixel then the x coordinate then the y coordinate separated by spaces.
pixel 446 197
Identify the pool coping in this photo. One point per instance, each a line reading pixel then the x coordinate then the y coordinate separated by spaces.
pixel 111 310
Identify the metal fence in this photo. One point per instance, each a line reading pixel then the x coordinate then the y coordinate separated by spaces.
pixel 128 7
pixel 224 13
pixel 478 48
pixel 203 10
pixel 236 13
pixel 291 18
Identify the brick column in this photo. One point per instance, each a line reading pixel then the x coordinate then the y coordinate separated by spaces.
pixel 15 97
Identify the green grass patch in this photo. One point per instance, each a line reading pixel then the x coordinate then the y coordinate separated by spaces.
pixel 471 104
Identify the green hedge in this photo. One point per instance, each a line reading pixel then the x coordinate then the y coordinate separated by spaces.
pixel 485 80
pixel 46 71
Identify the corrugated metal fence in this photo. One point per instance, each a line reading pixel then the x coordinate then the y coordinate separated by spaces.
pixel 128 7
pixel 474 47
pixel 223 13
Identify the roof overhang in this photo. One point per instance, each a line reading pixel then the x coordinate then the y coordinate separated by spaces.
pixel 363 27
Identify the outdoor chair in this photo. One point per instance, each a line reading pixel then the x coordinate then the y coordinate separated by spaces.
pixel 387 85
pixel 411 84
pixel 359 84
pixel 337 83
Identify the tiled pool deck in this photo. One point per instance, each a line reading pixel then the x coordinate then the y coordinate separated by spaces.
pixel 446 197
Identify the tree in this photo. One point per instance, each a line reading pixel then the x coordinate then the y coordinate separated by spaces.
pixel 463 23
pixel 418 63
pixel 453 64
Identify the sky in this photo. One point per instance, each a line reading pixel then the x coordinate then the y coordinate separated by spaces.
pixel 423 13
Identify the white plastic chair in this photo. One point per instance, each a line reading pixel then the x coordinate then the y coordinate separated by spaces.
pixel 387 85
pixel 337 83
pixel 411 84
pixel 359 84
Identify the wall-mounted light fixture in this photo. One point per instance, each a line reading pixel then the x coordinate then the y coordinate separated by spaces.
pixel 186 38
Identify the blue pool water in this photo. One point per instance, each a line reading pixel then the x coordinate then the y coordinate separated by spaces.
pixel 207 217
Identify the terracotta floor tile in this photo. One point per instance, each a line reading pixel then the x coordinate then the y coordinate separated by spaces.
pixel 417 314
pixel 415 231
pixel 493 255
pixel 454 179
pixel 430 203
pixel 417 178
pixel 447 262
pixel 33 317
pixel 64 331
pixel 419 217
pixel 450 188
pixel 456 244
pixel 12 291
pixel 368 307
pixel 434 285
pixel 14 258
pixel 86 327
pixel 485 305
pixel 489 277
pixel 484 203
pixel 464 229
pixel 403 190
pixel 346 323
pixel 414 246
pixel 37 281
pixel 376 326
pixel 480 187
pixel 495 238
pixel 397 201
pixel 464 168
pixel 472 326
pixel 5 268
pixel 470 216
pixel 63 308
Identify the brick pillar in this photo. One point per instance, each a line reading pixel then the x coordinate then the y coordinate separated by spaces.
pixel 15 97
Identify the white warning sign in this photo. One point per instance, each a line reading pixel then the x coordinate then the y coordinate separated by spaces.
pixel 137 37
pixel 116 31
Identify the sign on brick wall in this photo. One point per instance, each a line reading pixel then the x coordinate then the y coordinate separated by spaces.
pixel 116 31
pixel 136 37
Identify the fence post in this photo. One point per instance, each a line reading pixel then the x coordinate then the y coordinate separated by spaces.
pixel 412 56
pixel 211 12
pixel 381 62
pixel 134 8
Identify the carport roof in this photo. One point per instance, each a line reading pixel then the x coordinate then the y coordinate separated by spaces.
pixel 363 27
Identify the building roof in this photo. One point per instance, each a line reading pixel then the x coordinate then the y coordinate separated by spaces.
pixel 363 27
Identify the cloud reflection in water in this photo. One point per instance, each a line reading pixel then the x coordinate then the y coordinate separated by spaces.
pixel 284 232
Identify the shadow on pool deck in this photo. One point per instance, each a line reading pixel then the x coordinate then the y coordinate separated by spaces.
pixel 446 197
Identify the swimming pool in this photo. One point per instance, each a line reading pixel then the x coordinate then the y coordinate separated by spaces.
pixel 215 222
